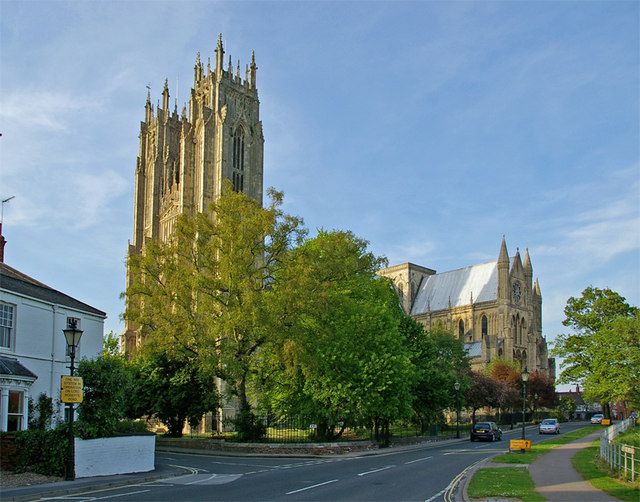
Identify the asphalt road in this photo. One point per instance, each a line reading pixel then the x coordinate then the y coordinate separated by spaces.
pixel 420 473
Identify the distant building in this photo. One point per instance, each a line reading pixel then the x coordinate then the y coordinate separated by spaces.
pixel 495 307
pixel 33 350
pixel 583 409
pixel 184 158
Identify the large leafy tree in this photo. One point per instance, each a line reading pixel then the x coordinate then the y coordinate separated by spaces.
pixel 173 389
pixel 440 361
pixel 602 351
pixel 339 354
pixel 201 295
pixel 483 391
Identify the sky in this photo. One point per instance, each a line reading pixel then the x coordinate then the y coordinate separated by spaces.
pixel 430 129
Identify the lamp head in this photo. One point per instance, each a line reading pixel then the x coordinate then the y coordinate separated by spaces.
pixel 456 385
pixel 525 374
pixel 72 334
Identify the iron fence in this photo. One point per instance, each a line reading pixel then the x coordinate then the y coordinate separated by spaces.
pixel 621 458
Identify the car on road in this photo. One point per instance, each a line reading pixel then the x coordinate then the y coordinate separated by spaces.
pixel 549 426
pixel 486 430
pixel 597 418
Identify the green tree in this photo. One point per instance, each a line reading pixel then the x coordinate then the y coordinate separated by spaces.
pixel 339 354
pixel 201 295
pixel 107 385
pixel 600 353
pixel 440 360
pixel 174 390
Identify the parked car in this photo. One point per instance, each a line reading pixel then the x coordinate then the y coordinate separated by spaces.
pixel 597 418
pixel 549 426
pixel 486 430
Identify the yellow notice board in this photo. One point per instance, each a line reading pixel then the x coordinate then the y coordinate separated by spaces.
pixel 520 444
pixel 71 389
pixel 606 421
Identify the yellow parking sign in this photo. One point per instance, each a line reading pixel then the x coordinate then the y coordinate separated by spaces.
pixel 71 389
pixel 520 444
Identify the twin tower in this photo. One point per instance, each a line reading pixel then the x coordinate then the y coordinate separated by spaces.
pixel 184 157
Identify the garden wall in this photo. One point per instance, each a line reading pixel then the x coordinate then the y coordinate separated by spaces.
pixel 115 455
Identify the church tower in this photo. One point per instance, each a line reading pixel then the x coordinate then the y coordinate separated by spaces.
pixel 184 157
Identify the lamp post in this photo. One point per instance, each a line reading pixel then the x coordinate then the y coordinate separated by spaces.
pixel 457 387
pixel 72 335
pixel 525 377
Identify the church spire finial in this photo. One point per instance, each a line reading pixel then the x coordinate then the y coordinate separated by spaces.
pixel 230 70
pixel 219 56
pixel 238 72
pixel 504 255
pixel 252 71
pixel 165 97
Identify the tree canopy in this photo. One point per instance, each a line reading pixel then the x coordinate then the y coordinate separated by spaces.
pixel 603 351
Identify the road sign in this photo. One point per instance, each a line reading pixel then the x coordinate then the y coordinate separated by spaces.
pixel 520 444
pixel 71 389
pixel 606 421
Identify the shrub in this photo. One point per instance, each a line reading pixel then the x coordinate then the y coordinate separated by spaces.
pixel 43 451
pixel 41 413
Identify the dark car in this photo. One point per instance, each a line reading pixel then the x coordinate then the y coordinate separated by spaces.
pixel 486 430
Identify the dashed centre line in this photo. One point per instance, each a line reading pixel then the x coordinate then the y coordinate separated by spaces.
pixel 417 460
pixel 310 487
pixel 376 470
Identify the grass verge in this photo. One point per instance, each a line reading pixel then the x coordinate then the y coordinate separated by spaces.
pixel 541 448
pixel 588 464
pixel 514 482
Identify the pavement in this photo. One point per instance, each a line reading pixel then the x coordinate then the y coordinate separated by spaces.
pixel 552 473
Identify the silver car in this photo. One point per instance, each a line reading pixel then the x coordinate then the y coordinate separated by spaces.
pixel 549 426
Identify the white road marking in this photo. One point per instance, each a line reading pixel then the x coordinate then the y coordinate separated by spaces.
pixel 436 495
pixel 376 470
pixel 312 486
pixel 120 495
pixel 417 460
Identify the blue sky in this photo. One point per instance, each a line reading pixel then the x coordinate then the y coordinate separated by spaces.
pixel 428 128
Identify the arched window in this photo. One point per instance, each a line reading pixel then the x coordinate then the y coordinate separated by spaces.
pixel 238 160
pixel 485 326
pixel 460 328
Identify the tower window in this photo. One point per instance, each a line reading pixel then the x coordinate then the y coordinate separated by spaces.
pixel 485 326
pixel 238 161
pixel 460 328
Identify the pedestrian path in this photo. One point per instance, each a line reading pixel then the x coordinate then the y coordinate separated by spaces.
pixel 556 479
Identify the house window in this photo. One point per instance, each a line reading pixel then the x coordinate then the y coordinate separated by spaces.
pixel 6 325
pixel 238 161
pixel 15 413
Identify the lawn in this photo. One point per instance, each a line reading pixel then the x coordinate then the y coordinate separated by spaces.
pixel 541 448
pixel 588 464
pixel 630 437
pixel 514 482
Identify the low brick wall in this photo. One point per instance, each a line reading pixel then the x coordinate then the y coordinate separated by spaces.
pixel 8 456
pixel 267 448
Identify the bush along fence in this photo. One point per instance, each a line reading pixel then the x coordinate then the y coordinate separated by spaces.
pixel 623 459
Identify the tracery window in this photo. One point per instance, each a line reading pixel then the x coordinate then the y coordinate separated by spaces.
pixel 485 326
pixel 238 160
pixel 460 328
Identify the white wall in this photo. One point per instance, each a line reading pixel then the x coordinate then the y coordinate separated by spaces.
pixel 116 455
pixel 39 343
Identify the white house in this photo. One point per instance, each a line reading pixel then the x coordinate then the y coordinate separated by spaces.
pixel 33 351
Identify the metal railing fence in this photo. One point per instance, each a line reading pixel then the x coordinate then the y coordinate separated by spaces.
pixel 621 458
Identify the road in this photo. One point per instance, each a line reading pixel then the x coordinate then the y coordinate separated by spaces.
pixel 421 473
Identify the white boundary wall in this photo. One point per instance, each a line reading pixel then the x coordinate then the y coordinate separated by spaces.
pixel 115 455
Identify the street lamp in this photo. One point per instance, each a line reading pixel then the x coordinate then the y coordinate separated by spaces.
pixel 457 387
pixel 72 335
pixel 525 377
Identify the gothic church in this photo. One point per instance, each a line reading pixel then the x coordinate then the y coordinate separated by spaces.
pixel 494 307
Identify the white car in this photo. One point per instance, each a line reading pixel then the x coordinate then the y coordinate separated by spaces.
pixel 549 426
pixel 597 418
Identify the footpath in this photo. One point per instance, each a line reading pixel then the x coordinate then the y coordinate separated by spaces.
pixel 552 473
